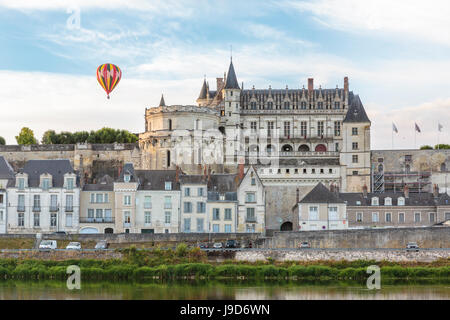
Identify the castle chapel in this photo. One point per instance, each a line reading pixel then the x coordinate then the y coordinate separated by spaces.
pixel 294 138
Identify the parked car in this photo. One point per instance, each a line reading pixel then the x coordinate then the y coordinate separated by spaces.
pixel 218 245
pixel 305 244
pixel 74 246
pixel 48 245
pixel 412 246
pixel 232 244
pixel 203 246
pixel 102 245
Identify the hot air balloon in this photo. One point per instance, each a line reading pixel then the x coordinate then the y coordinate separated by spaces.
pixel 108 75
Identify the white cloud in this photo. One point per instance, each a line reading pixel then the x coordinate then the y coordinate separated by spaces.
pixel 418 19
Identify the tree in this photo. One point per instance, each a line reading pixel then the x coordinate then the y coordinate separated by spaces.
pixel 49 137
pixel 426 147
pixel 26 136
pixel 2 141
pixel 442 146
pixel 104 135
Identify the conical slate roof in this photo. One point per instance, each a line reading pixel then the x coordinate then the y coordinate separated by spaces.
pixel 356 112
pixel 162 103
pixel 320 194
pixel 232 82
pixel 203 91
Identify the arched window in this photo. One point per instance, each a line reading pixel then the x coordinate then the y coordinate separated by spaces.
pixel 303 105
pixel 197 124
pixel 270 148
pixel 388 201
pixel 286 148
pixel 303 148
pixel 401 201
pixel 320 148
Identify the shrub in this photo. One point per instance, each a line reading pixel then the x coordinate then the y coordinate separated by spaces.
pixel 181 250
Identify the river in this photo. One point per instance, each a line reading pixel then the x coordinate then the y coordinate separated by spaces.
pixel 207 290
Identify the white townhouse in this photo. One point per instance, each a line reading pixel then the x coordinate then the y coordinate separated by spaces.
pixel 44 197
pixel 222 203
pixel 125 189
pixel 157 201
pixel 193 203
pixel 6 177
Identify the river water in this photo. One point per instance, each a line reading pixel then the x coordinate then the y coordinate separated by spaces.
pixel 207 290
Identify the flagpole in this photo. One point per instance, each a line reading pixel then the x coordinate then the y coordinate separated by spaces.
pixel 392 138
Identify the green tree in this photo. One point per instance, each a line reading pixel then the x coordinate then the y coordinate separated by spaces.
pixel 26 136
pixel 49 137
pixel 426 147
pixel 442 146
pixel 2 141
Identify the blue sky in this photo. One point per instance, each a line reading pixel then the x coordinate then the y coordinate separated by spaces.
pixel 397 59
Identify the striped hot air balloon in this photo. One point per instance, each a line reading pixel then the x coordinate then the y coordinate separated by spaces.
pixel 108 75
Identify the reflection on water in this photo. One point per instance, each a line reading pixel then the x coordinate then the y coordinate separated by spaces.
pixel 206 290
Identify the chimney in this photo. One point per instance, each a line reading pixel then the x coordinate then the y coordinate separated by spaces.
pixel 435 191
pixel 406 189
pixel 331 187
pixel 346 84
pixel 177 174
pixel 241 170
pixel 119 170
pixel 204 172
pixel 298 195
pixel 310 85
pixel 364 191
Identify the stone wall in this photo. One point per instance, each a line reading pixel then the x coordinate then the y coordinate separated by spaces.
pixel 338 255
pixel 60 255
pixel 429 237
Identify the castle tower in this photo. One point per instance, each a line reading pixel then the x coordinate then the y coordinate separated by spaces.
pixel 355 153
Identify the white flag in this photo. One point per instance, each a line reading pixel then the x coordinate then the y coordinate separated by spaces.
pixel 394 128
pixel 440 126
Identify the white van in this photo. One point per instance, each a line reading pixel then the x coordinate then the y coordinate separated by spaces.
pixel 48 244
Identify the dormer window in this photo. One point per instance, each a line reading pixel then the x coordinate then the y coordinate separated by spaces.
pixel 388 201
pixel 69 183
pixel 375 201
pixel 21 183
pixel 45 183
pixel 168 185
pixel 126 178
pixel 358 203
pixel 401 201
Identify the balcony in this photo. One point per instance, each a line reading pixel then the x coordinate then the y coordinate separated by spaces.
pixel 293 111
pixel 126 224
pixel 299 154
pixel 96 220
pixel 21 208
pixel 68 209
pixel 250 219
pixel 54 208
pixel 36 208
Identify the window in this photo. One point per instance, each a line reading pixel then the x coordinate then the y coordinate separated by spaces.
pixel 354 145
pixel 126 178
pixel 99 214
pixel 53 220
pixel 313 213
pixel 21 183
pixel 333 213
pixel 1 215
pixel 167 217
pixel 147 217
pixel 90 214
pixel 99 198
pixel 187 192
pixel 36 218
pixel 36 202
pixel 227 228
pixel 355 173
pixel 187 225
pixel 337 128
pixel 69 202
pixel 216 214
pixel 250 197
pixel 253 182
pixel 45 184
pixel 249 228
pixel 215 228
pixel 355 158
pixel 375 217
pixel 336 147
pixel 167 202
pixel 354 131
pixel 201 207
pixel 69 183
pixel 287 128
pixel 69 220
pixel 187 207
pixel 127 217
pixel 401 217
pixel 432 217
pixel 303 128
pixel 359 217
pixel 269 128
pixel 388 217
pixel 108 215
pixel 320 128
pixel 401 201
pixel 270 105
pixel 147 202
pixel 127 200
pixel 106 199
pixel 337 105
pixel 417 217
pixel 200 225
pixel 21 202
pixel 20 219
pixel 375 201
pixel 200 192
pixel 227 214
pixel 253 126
pixel 250 215
pixel 303 105
pixel 1 198
pixel 168 185
pixel 253 105
pixel 92 197
pixel 320 105
pixel 388 201
pixel 447 216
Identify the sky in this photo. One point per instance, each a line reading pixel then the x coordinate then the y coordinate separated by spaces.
pixel 395 53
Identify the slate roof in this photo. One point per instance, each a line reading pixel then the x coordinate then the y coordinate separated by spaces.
pixel 129 169
pixel 193 179
pixel 156 179
pixel 356 112
pixel 105 183
pixel 56 168
pixel 232 82
pixel 215 196
pixel 162 103
pixel 414 199
pixel 203 91
pixel 6 171
pixel 321 194
pixel 223 183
